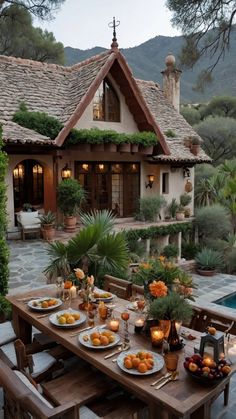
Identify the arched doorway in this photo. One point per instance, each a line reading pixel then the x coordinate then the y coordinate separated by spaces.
pixel 28 184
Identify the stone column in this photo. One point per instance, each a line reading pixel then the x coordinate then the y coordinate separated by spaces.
pixel 171 81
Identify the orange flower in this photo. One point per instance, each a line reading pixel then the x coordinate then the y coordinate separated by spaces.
pixel 162 258
pixel 145 265
pixel 158 289
pixel 79 274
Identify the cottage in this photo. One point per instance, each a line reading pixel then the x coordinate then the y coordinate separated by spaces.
pixel 99 93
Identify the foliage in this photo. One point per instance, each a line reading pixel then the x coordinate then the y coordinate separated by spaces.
pixel 105 219
pixel 95 249
pixel 170 134
pixel 4 251
pixel 219 135
pixel 156 231
pixel 189 250
pixel 47 218
pixel 70 195
pixel 213 222
pixel 43 9
pixel 170 251
pixel 208 26
pixel 171 307
pixel 38 121
pixel 149 208
pixel 5 307
pixel 172 207
pixel 224 106
pixel 191 115
pixel 137 249
pixel 19 38
pixel 185 199
pixel 205 193
pixel 208 259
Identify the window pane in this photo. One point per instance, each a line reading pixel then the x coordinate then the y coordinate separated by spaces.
pixel 98 104
pixel 165 183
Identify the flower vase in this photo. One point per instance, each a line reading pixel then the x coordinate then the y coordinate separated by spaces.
pixel 173 339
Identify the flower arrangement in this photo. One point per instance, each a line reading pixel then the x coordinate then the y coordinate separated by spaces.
pixel 86 283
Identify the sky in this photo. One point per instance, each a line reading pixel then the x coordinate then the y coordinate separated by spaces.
pixel 83 24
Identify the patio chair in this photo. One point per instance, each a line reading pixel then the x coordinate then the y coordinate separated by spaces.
pixel 28 223
pixel 7 333
pixel 117 286
pixel 137 290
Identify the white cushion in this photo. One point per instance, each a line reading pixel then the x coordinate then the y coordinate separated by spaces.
pixel 9 351
pixel 42 362
pixel 31 226
pixel 7 333
pixel 32 388
pixel 29 218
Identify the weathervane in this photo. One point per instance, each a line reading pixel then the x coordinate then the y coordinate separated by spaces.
pixel 114 25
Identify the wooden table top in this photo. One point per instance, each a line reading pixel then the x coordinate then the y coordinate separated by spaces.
pixel 181 397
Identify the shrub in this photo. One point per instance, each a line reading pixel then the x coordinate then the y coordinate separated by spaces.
pixel 185 199
pixel 189 250
pixel 170 251
pixel 213 222
pixel 5 307
pixel 70 195
pixel 4 251
pixel 149 208
pixel 172 207
pixel 208 259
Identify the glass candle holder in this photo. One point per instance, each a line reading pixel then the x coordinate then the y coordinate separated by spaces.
pixel 171 361
pixel 114 325
pixel 157 336
pixel 138 325
pixel 102 311
pixel 73 292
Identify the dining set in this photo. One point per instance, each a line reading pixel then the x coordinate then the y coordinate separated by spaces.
pixel 119 352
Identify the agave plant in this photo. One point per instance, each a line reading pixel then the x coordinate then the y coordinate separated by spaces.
pixel 208 259
pixel 96 248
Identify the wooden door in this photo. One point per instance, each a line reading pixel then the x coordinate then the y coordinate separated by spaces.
pixel 131 189
pixel 102 187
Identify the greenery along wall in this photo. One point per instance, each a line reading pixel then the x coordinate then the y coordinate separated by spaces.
pixel 4 252
pixel 155 231
pixel 50 127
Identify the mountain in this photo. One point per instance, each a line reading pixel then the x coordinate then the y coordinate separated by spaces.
pixel 148 60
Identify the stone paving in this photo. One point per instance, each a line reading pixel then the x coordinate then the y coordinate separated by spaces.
pixel 29 258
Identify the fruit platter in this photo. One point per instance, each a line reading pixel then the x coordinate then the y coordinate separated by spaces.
pixel 44 304
pixel 98 338
pixel 67 319
pixel 140 363
pixel 206 370
pixel 101 295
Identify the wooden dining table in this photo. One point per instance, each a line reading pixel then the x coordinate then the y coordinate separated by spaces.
pixel 183 398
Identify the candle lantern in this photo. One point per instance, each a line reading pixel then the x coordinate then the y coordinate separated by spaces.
pixel 157 336
pixel 212 345
pixel 114 325
pixel 231 350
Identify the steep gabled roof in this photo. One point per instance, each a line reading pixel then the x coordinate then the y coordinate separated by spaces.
pixel 169 119
pixel 13 133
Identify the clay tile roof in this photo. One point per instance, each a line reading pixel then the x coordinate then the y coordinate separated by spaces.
pixel 168 118
pixel 14 133
pixel 49 88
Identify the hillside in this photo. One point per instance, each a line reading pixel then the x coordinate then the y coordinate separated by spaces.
pixel 147 61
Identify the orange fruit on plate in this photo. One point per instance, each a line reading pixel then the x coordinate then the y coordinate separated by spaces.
pixel 70 320
pixel 136 361
pixel 44 304
pixel 142 367
pixel 111 339
pixel 106 333
pixel 76 316
pixel 62 320
pixel 95 335
pixel 149 364
pixel 96 342
pixel 128 363
pixel 104 340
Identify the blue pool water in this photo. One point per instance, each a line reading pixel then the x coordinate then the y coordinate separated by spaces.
pixel 228 301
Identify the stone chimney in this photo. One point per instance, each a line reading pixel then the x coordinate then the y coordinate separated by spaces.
pixel 171 81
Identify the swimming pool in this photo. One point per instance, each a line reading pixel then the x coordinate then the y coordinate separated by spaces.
pixel 228 301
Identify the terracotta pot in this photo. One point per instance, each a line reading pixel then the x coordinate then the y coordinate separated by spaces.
pixel 134 148
pixel 146 150
pixel 70 223
pixel 48 233
pixel 195 148
pixel 110 147
pixel 204 272
pixel 97 148
pixel 125 148
pixel 180 215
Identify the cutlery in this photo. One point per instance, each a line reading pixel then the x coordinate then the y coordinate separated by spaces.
pixel 27 299
pixel 173 377
pixel 121 348
pixel 41 316
pixel 167 375
pixel 87 328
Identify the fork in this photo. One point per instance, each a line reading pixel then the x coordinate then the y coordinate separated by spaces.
pixel 174 376
pixel 167 375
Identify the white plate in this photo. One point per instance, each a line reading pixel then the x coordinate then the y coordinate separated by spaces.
pixel 88 344
pixel 107 299
pixel 158 363
pixel 35 304
pixel 54 318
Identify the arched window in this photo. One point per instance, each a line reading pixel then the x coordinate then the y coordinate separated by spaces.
pixel 106 104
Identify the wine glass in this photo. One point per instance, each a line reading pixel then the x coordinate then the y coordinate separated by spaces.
pixel 66 297
pixel 125 317
pixel 59 284
pixel 141 304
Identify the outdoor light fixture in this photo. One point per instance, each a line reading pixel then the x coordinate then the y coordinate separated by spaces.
pixel 101 167
pixel 186 172
pixel 85 166
pixel 18 172
pixel 150 181
pixel 66 172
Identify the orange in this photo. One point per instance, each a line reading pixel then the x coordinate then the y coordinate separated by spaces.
pixel 111 339
pixel 44 304
pixel 142 367
pixel 96 342
pixel 142 355
pixel 70 320
pixel 136 361
pixel 132 356
pixel 104 340
pixel 76 316
pixel 106 333
pixel 62 320
pixel 149 364
pixel 67 284
pixel 149 356
pixel 128 363
pixel 94 335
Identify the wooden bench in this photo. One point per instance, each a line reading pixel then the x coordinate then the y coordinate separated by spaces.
pixel 120 287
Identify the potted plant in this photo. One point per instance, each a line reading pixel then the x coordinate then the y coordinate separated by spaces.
pixel 48 220
pixel 5 309
pixel 172 207
pixel 185 200
pixel 70 195
pixel 149 208
pixel 195 145
pixel 208 261
pixel 180 214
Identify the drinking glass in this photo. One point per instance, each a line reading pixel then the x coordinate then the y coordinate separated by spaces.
pixel 59 285
pixel 141 304
pixel 125 318
pixel 66 297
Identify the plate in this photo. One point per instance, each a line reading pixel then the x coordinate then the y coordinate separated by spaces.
pixel 35 304
pixel 105 299
pixel 158 363
pixel 89 345
pixel 54 319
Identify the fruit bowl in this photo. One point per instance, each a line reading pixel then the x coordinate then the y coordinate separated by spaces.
pixel 205 370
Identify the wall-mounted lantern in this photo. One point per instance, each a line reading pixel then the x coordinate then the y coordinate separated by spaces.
pixel 186 172
pixel 150 181
pixel 66 172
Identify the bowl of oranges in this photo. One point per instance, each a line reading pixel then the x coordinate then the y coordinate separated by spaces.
pixel 44 304
pixel 67 318
pixel 140 362
pixel 99 338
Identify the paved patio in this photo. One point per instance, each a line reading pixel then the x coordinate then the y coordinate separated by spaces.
pixel 28 259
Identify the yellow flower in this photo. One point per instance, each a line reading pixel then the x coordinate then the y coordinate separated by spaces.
pixel 158 289
pixel 79 274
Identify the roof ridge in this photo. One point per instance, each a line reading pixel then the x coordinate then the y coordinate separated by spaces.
pixel 33 63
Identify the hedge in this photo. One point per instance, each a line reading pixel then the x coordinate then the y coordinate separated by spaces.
pixel 155 231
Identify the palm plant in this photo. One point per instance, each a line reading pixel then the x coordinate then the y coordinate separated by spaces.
pixel 95 249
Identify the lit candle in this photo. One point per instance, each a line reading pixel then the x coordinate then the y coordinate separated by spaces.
pixel 157 336
pixel 73 291
pixel 232 353
pixel 208 362
pixel 114 325
pixel 178 326
pixel 138 325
